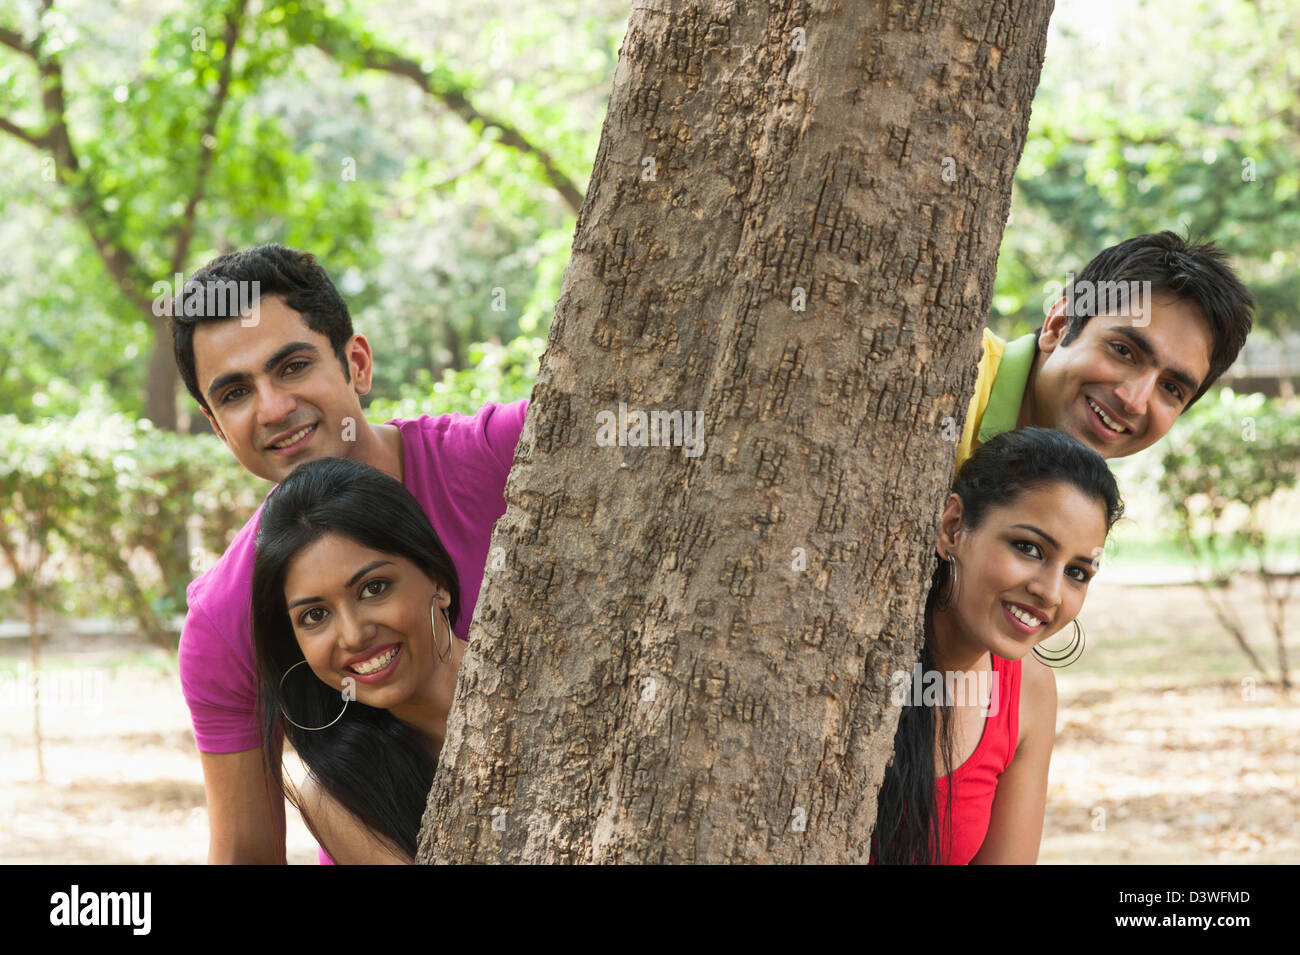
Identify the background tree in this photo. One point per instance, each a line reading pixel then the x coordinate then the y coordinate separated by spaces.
pixel 1202 138
pixel 1225 483
pixel 791 233
pixel 136 154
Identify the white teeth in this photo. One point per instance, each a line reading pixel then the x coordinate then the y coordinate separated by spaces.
pixel 293 438
pixel 1027 619
pixel 1109 423
pixel 375 664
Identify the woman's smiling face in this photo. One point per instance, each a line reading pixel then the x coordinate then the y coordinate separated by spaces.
pixel 365 615
pixel 1023 573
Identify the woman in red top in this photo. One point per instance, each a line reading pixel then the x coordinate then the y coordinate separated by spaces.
pixel 1020 536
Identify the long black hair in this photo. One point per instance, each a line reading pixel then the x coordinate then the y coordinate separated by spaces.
pixel 997 474
pixel 372 763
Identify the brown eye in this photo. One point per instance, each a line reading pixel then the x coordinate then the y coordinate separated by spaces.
pixel 1032 552
pixel 379 581
pixel 307 620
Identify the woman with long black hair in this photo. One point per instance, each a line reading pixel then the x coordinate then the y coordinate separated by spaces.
pixel 353 596
pixel 1019 541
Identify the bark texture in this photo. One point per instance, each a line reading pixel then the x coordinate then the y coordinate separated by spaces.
pixel 792 227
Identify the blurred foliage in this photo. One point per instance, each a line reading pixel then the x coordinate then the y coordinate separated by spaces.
pixel 106 515
pixel 1231 454
pixel 1220 473
pixel 1164 114
pixel 437 234
pixel 500 373
pixel 1150 115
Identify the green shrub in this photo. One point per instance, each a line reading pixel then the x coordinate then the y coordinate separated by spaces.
pixel 98 511
pixel 501 373
pixel 1224 470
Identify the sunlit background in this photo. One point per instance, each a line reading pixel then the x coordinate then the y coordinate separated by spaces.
pixel 433 156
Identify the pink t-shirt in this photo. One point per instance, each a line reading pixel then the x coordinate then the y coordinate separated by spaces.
pixel 455 466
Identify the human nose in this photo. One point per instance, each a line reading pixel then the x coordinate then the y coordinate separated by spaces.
pixel 273 405
pixel 1046 588
pixel 354 632
pixel 1135 392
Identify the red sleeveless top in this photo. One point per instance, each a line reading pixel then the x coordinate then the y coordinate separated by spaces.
pixel 975 781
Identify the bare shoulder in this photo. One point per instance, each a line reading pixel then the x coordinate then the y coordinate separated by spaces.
pixel 311 792
pixel 1037 701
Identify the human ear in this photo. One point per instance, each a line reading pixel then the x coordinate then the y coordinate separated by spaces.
pixel 442 597
pixel 1055 327
pixel 361 363
pixel 215 427
pixel 950 529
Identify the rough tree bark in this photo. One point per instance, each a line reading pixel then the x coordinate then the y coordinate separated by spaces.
pixel 686 658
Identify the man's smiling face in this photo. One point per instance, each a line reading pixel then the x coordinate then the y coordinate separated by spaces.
pixel 269 382
pixel 1138 376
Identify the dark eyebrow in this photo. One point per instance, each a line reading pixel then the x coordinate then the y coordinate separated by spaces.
pixel 1091 562
pixel 1040 532
pixel 232 377
pixel 351 580
pixel 1144 345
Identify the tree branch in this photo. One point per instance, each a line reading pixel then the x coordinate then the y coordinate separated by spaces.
pixel 378 58
pixel 185 232
pixel 15 41
pixel 131 279
pixel 13 129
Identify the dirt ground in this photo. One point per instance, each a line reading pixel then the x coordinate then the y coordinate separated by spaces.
pixel 1166 750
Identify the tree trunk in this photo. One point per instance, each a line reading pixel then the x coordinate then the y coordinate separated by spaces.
pixel 161 379
pixel 792 228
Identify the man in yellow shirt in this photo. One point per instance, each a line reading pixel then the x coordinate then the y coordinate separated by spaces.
pixel 1143 331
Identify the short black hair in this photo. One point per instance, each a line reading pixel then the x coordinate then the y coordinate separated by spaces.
pixel 1197 273
pixel 292 275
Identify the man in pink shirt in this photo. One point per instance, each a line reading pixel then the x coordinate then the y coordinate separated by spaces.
pixel 281 383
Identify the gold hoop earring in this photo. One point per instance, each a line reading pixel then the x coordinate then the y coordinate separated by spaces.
pixel 946 598
pixel 450 637
pixel 1056 659
pixel 285 713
